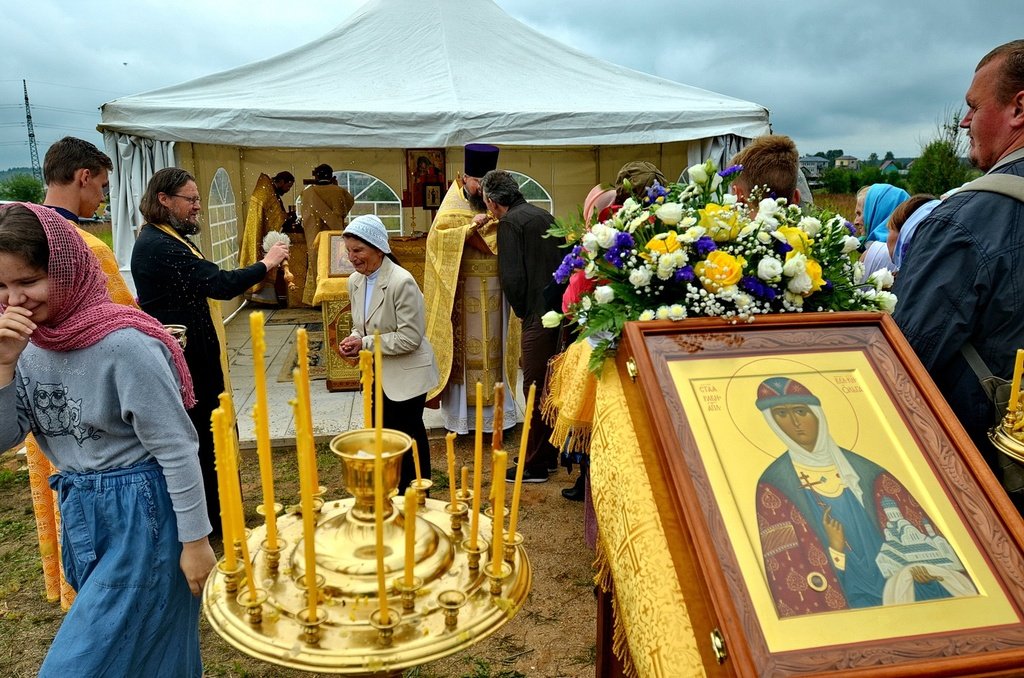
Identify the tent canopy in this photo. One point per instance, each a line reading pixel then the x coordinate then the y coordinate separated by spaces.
pixel 431 73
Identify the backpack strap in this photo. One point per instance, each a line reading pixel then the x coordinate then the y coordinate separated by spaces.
pixel 1005 184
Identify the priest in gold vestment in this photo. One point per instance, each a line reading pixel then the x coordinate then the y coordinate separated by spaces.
pixel 265 213
pixel 324 205
pixel 460 283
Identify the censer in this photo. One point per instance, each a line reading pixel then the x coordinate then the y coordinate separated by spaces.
pixel 372 584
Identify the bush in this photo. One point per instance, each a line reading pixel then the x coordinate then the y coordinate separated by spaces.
pixel 22 188
pixel 938 169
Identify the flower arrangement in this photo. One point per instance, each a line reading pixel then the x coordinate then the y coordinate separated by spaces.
pixel 690 250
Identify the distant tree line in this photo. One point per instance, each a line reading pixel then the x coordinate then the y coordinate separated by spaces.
pixel 21 188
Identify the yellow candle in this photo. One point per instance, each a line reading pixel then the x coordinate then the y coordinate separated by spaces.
pixel 449 441
pixel 366 370
pixel 1018 369
pixel 306 500
pixel 416 460
pixel 411 501
pixel 498 463
pixel 478 452
pixel 378 392
pixel 378 508
pixel 237 511
pixel 302 351
pixel 499 412
pixel 262 425
pixel 220 452
pixel 517 489
pixel 465 481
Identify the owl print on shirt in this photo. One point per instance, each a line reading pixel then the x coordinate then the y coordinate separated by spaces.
pixel 56 414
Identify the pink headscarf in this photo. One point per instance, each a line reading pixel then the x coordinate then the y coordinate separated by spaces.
pixel 80 309
pixel 597 200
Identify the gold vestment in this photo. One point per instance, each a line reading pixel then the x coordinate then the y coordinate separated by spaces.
pixel 265 214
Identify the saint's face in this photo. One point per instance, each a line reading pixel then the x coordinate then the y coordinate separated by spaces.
pixel 799 423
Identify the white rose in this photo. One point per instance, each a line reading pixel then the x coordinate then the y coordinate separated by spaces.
pixel 630 205
pixel 729 199
pixel 795 265
pixel 698 174
pixel 769 269
pixel 742 300
pixel 799 283
pixel 590 242
pixel 586 303
pixel 850 244
pixel 640 277
pixel 551 319
pixel 605 235
pixel 688 222
pixel 670 213
pixel 810 226
pixel 793 299
pixel 887 301
pixel 676 312
pixel 858 270
pixel 603 294
pixel 646 315
pixel 764 237
pixel 882 279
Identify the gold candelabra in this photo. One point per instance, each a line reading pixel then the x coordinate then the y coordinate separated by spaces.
pixel 365 585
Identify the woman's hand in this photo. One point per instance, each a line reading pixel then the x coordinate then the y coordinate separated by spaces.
pixel 197 560
pixel 350 346
pixel 16 327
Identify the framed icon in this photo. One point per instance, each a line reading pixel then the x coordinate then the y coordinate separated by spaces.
pixel 340 265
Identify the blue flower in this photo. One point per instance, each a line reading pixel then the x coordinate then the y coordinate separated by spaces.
pixel 654 192
pixel 705 245
pixel 729 171
pixel 782 247
pixel 756 287
pixel 684 274
pixel 624 240
pixel 850 227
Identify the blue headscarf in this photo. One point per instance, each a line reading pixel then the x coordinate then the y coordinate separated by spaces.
pixel 907 231
pixel 879 203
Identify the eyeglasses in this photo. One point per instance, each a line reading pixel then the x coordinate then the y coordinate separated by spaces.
pixel 192 201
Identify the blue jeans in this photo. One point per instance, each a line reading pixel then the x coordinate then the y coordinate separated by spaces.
pixel 134 614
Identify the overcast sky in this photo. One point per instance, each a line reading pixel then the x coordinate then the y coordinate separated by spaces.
pixel 865 76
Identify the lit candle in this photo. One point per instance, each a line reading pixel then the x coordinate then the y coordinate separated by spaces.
pixel 411 501
pixel 478 452
pixel 449 441
pixel 1018 369
pixel 378 505
pixel 416 461
pixel 498 463
pixel 499 420
pixel 302 351
pixel 306 500
pixel 366 370
pixel 220 451
pixel 261 422
pixel 517 489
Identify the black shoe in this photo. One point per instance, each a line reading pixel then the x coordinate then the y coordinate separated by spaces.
pixel 529 475
pixel 577 492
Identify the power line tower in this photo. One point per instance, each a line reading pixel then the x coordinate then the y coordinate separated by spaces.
pixel 37 172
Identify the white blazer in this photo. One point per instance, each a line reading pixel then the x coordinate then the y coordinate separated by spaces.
pixel 396 310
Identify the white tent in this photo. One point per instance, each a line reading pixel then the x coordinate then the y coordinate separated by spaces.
pixel 415 74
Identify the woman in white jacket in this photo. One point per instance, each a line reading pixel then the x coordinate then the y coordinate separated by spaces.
pixel 385 298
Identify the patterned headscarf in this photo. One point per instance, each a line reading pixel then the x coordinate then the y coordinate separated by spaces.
pixel 80 311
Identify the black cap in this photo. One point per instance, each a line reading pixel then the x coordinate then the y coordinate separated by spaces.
pixel 480 159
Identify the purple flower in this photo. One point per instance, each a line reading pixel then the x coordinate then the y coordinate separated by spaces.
pixel 570 262
pixel 624 240
pixel 782 247
pixel 850 227
pixel 654 192
pixel 614 257
pixel 684 274
pixel 757 288
pixel 729 171
pixel 705 245
pixel 827 287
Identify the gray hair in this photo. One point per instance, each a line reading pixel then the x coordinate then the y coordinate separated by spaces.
pixel 501 187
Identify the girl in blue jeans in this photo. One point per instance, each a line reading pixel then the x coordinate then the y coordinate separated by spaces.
pixel 103 388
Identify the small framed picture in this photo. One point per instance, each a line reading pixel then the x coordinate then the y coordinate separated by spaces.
pixel 340 265
pixel 432 195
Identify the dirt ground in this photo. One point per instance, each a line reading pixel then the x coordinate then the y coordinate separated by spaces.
pixel 552 636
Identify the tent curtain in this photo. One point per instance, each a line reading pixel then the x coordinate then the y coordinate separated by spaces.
pixel 721 149
pixel 136 160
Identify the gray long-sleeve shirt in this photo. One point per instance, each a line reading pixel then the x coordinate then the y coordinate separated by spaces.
pixel 111 405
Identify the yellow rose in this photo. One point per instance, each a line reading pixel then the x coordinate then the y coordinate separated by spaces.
pixel 719 270
pixel 663 243
pixel 720 222
pixel 814 273
pixel 796 238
